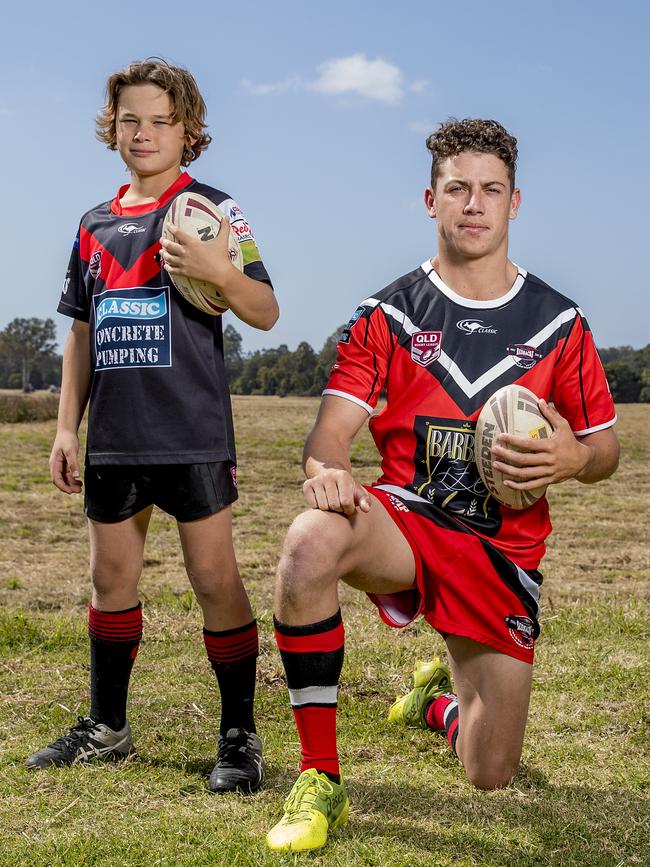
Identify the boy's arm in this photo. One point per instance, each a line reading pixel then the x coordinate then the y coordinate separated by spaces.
pixel 252 301
pixel 330 485
pixel 75 388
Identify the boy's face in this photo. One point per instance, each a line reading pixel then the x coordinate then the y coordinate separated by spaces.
pixel 472 202
pixel 149 142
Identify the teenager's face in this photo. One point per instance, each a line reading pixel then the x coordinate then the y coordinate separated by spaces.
pixel 147 139
pixel 472 202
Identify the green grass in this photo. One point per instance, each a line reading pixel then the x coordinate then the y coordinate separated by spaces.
pixel 581 797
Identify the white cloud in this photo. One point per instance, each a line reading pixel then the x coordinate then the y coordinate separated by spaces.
pixel 354 75
pixel 419 85
pixel 374 79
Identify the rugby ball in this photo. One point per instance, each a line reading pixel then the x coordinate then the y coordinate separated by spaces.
pixel 198 216
pixel 512 409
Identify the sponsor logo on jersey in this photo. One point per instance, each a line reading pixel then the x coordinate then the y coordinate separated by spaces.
pixel 521 629
pixel 235 213
pixel 130 229
pixel 446 473
pixel 523 356
pixel 131 308
pixel 345 334
pixel 426 347
pixel 95 264
pixel 242 230
pixel 132 328
pixel 66 282
pixel 475 326
pixel 75 245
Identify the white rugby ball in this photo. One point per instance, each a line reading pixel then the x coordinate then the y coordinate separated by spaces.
pixel 197 215
pixel 512 409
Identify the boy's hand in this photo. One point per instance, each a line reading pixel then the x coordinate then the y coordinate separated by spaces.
pixel 64 463
pixel 539 462
pixel 188 256
pixel 334 490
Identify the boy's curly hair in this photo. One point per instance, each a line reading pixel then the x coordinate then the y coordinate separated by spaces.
pixel 186 101
pixel 481 136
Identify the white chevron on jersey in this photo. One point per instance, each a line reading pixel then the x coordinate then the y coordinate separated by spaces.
pixel 473 388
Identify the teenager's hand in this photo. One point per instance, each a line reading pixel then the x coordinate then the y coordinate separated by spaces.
pixel 188 256
pixel 532 463
pixel 333 490
pixel 64 463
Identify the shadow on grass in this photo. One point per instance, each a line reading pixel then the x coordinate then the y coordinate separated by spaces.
pixel 532 822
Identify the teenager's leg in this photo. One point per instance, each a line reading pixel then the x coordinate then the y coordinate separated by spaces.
pixel 115 616
pixel 370 553
pixel 493 692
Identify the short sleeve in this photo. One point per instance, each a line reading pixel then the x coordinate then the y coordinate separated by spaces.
pixel 74 296
pixel 253 265
pixel 364 350
pixel 580 390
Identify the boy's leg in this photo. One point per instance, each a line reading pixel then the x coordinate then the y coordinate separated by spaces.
pixel 115 629
pixel 231 641
pixel 493 692
pixel 371 554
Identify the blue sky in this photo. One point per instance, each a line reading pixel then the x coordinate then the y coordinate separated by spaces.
pixel 319 114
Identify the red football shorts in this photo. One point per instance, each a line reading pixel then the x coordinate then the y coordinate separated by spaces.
pixel 465 586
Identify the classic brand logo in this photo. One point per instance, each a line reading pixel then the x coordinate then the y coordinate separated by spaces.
pixel 475 326
pixel 132 308
pixel 130 229
pixel 426 347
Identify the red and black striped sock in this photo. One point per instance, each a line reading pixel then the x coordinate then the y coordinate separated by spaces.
pixel 114 641
pixel 442 715
pixel 313 659
pixel 233 655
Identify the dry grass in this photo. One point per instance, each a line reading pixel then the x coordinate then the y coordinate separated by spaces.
pixel 581 798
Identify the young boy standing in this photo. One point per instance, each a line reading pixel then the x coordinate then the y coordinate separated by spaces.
pixel 160 426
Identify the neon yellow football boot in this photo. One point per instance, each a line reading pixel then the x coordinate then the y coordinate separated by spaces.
pixel 315 804
pixel 431 679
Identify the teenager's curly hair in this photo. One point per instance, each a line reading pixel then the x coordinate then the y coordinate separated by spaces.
pixel 186 101
pixel 481 136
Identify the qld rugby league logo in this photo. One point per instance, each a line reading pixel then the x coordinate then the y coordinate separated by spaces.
pixel 426 347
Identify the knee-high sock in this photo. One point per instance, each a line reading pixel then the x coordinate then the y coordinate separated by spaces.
pixel 114 641
pixel 313 659
pixel 233 655
pixel 442 715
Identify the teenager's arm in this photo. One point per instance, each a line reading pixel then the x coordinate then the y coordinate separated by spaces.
pixel 330 485
pixel 250 300
pixel 562 456
pixel 75 388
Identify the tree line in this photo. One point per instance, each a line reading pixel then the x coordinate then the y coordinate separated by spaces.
pixel 28 360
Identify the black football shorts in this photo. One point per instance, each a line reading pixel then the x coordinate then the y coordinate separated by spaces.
pixel 185 491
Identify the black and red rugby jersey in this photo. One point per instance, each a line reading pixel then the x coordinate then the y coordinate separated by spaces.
pixel 159 393
pixel 439 357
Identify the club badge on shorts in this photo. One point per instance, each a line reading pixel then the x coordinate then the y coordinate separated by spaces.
pixel 426 347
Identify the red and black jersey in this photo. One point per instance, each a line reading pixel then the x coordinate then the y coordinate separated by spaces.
pixel 159 393
pixel 439 357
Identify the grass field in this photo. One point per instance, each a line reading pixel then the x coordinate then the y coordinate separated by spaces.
pixel 582 796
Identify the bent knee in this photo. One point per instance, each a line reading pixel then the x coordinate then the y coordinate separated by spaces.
pixel 491 775
pixel 313 549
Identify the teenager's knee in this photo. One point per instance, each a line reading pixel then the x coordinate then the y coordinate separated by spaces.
pixel 492 773
pixel 312 549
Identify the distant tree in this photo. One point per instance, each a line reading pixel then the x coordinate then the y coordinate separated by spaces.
pixel 24 341
pixel 624 382
pixel 232 351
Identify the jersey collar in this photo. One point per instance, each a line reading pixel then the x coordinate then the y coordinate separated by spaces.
pixel 137 210
pixel 428 269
